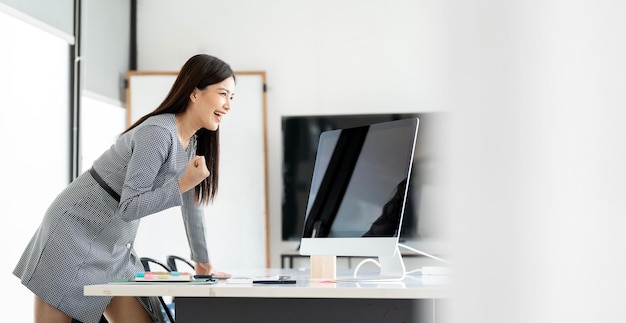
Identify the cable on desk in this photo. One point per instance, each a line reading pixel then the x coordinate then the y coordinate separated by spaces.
pixel 364 261
pixel 424 253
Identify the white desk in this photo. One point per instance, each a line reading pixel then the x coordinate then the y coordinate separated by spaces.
pixel 306 301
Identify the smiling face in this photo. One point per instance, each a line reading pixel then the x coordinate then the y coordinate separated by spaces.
pixel 210 104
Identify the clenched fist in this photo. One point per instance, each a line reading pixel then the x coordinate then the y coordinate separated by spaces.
pixel 195 173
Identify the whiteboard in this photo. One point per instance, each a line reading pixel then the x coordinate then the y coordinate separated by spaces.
pixel 236 223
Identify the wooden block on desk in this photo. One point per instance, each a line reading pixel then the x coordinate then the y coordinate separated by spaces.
pixel 323 267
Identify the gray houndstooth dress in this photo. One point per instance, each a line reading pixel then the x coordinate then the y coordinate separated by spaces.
pixel 86 236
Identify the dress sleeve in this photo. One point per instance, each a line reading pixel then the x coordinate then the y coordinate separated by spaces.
pixel 151 148
pixel 193 217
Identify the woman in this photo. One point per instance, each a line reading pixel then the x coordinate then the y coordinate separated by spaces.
pixel 167 158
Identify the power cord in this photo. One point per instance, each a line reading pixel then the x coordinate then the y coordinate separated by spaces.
pixel 424 253
pixel 419 252
pixel 364 261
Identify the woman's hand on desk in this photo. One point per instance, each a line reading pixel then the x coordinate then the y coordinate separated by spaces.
pixel 206 268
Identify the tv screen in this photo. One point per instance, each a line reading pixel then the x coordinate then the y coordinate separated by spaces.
pixel 300 135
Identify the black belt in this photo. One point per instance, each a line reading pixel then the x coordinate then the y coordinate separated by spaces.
pixel 104 185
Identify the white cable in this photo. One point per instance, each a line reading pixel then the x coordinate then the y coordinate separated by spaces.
pixel 423 253
pixel 356 270
pixel 418 270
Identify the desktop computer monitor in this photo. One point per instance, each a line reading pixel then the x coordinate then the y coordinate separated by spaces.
pixel 358 192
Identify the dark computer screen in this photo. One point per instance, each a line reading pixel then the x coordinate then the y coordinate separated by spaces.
pixel 300 135
pixel 359 182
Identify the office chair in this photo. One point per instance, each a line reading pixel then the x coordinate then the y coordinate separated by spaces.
pixel 145 262
pixel 171 262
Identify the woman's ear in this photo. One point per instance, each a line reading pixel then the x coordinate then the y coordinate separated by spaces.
pixel 192 96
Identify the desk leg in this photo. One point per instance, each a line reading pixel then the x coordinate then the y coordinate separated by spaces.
pixel 301 310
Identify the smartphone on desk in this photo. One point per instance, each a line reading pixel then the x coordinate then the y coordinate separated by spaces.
pixel 260 280
pixel 215 276
pixel 278 280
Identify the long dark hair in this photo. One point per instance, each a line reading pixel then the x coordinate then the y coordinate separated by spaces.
pixel 199 72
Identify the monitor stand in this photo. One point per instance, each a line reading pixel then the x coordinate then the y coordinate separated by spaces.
pixel 392 267
pixel 323 267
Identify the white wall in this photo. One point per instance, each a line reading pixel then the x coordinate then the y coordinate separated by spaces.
pixel 321 57
pixel 536 87
pixel 538 199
